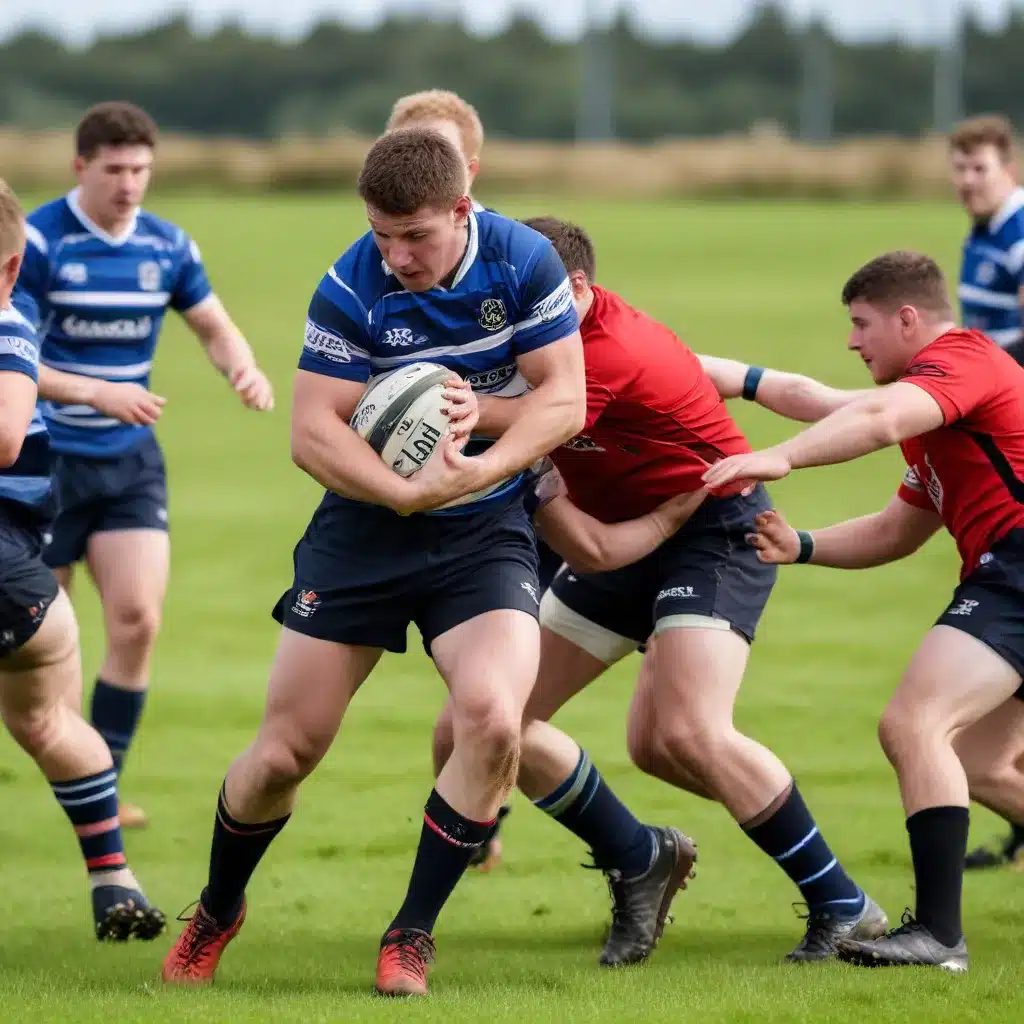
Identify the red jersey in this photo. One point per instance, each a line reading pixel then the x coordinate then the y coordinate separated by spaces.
pixel 971 469
pixel 654 419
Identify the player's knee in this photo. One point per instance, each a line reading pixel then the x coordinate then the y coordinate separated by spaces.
pixel 642 751
pixel 283 763
pixel 37 729
pixel 692 745
pixel 899 733
pixel 493 726
pixel 134 624
pixel 444 739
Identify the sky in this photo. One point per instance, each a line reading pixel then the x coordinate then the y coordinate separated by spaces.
pixel 79 21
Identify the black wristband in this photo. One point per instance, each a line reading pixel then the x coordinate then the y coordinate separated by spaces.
pixel 750 382
pixel 806 546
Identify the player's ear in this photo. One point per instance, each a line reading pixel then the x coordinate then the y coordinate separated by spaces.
pixel 910 319
pixel 579 284
pixel 473 168
pixel 462 209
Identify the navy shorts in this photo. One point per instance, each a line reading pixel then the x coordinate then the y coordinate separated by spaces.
pixel 706 574
pixel 548 563
pixel 989 603
pixel 27 586
pixel 126 492
pixel 363 573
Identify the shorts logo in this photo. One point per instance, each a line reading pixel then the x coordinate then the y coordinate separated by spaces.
pixel 531 590
pixel 6 639
pixel 986 558
pixel 150 276
pixel 161 514
pixel 492 315
pixel 306 603
pixel 684 592
pixel 965 607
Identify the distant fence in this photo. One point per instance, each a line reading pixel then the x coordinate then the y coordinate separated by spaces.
pixel 756 165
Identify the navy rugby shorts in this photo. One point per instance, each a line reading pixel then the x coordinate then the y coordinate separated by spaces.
pixel 705 576
pixel 27 586
pixel 363 573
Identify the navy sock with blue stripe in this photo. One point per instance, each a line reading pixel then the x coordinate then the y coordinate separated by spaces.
pixel 91 806
pixel 585 805
pixel 791 838
pixel 115 716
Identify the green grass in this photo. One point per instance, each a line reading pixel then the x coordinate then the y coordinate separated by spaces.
pixel 755 281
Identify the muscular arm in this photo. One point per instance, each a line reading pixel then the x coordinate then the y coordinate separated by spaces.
pixel 67 388
pixel 17 400
pixel 788 394
pixel 588 545
pixel 330 451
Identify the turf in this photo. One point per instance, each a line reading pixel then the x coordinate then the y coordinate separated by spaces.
pixel 755 281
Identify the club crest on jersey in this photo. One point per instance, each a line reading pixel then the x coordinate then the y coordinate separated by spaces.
pixel 986 273
pixel 73 273
pixel 492 315
pixel 150 276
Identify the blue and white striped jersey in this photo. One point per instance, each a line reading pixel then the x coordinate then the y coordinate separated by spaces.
pixel 510 295
pixel 992 274
pixel 100 301
pixel 29 481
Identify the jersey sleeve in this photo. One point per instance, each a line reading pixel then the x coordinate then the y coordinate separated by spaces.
pixel 337 332
pixel 913 492
pixel 546 312
pixel 33 284
pixel 958 372
pixel 19 346
pixel 192 285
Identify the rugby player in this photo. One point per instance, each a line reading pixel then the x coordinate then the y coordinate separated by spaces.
pixel 991 294
pixel 478 293
pixel 654 419
pixel 102 273
pixel 39 656
pixel 954 403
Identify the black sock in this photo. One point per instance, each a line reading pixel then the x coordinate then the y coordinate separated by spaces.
pixel 115 715
pixel 938 846
pixel 1018 834
pixel 447 843
pixel 585 805
pixel 236 850
pixel 791 838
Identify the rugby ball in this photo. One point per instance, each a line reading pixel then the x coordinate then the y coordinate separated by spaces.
pixel 401 416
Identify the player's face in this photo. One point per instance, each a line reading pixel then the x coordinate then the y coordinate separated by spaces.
pixel 114 180
pixel 424 248
pixel 878 337
pixel 982 180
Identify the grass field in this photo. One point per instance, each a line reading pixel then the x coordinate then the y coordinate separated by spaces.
pixel 754 281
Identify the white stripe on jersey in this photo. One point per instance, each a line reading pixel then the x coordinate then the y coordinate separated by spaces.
pixel 984 297
pixel 1014 260
pixel 80 416
pixel 550 307
pixel 10 315
pixel 36 238
pixel 472 248
pixel 110 372
pixel 121 300
pixel 338 281
pixel 1009 208
pixel 426 354
pixel 14 345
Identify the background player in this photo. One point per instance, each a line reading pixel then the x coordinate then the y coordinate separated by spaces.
pixel 39 656
pixel 955 405
pixel 482 294
pixel 654 420
pixel 103 273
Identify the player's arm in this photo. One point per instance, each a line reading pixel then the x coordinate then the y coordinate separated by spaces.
pixel 229 352
pixel 122 400
pixel 19 363
pixel 792 395
pixel 895 532
pixel 588 545
pixel 882 418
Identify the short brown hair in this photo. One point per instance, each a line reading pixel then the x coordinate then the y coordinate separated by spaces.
pixel 114 124
pixel 12 223
pixel 441 105
pixel 411 168
pixel 571 242
pixel 901 278
pixel 989 130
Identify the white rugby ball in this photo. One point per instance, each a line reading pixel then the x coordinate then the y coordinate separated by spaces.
pixel 401 417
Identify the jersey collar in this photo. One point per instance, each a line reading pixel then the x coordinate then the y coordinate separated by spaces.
pixel 92 227
pixel 1014 202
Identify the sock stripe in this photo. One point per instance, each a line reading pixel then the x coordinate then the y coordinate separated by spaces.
pixel 239 828
pixel 819 874
pixel 799 846
pixel 565 794
pixel 111 791
pixel 106 860
pixel 449 839
pixel 103 779
pixel 96 828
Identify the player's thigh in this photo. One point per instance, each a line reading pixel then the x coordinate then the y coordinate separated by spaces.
pixel 46 667
pixel 995 743
pixel 312 682
pixel 130 568
pixel 953 681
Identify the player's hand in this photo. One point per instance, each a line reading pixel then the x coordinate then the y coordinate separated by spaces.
pixel 672 514
pixel 446 475
pixel 776 541
pixel 770 464
pixel 253 388
pixel 462 410
pixel 127 402
pixel 548 483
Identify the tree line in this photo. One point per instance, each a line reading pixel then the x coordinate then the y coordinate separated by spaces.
pixel 338 79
